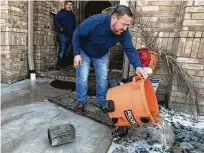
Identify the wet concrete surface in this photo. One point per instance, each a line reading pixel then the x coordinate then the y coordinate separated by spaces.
pixel 25 92
pixel 26 115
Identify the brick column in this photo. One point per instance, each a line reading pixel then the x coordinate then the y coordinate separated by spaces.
pixel 45 44
pixel 165 14
pixel 190 52
pixel 14 65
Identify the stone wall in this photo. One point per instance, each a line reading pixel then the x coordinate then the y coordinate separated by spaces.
pixel 190 51
pixel 45 44
pixel 165 13
pixel 14 64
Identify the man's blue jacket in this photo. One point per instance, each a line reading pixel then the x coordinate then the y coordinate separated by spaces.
pixel 94 37
pixel 65 22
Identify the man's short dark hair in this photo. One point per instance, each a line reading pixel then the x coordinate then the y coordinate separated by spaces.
pixel 68 2
pixel 122 10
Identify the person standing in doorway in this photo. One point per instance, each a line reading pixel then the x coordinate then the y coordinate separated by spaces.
pixel 91 42
pixel 65 24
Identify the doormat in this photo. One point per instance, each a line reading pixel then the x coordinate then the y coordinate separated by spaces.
pixel 68 85
pixel 92 111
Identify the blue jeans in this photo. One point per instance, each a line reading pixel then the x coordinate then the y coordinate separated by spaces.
pixel 64 45
pixel 101 73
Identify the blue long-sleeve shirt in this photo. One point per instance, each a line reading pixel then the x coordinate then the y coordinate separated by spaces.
pixel 65 22
pixel 94 37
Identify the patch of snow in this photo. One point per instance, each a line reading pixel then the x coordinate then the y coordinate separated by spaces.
pixel 189 137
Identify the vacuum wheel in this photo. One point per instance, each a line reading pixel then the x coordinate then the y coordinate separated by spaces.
pixel 107 106
pixel 120 131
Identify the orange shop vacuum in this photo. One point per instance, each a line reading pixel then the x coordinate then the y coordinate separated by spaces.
pixel 132 104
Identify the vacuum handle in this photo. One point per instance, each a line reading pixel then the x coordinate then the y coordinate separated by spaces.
pixel 136 79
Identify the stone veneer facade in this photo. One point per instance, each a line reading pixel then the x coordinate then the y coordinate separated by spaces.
pixel 165 13
pixel 14 65
pixel 45 48
pixel 190 52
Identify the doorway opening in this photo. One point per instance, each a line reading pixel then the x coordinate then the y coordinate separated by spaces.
pixel 95 7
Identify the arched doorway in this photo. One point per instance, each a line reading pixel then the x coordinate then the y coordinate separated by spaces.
pixel 95 7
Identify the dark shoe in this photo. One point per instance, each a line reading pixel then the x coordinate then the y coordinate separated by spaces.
pixel 79 108
pixel 58 67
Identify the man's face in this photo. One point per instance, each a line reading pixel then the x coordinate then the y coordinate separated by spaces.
pixel 120 23
pixel 68 6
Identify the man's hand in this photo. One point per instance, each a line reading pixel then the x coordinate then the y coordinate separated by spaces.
pixel 141 72
pixel 77 60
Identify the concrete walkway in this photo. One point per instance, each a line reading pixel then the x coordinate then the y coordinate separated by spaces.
pixel 26 115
